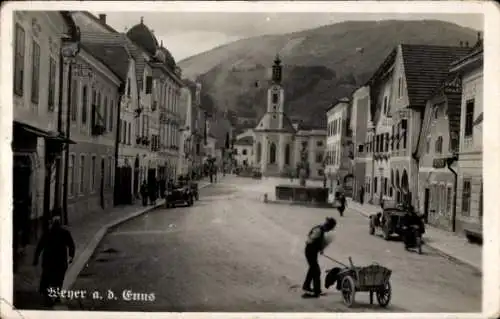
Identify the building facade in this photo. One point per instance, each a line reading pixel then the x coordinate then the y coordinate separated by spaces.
pixel 338 145
pixel 470 157
pixel 244 151
pixel 278 144
pixel 360 115
pixel 38 131
pixel 437 150
pixel 94 97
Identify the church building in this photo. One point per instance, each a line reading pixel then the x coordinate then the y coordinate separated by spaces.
pixel 279 143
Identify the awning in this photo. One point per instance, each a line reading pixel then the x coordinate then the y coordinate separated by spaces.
pixel 49 135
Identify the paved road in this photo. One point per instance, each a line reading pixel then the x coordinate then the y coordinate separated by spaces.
pixel 231 252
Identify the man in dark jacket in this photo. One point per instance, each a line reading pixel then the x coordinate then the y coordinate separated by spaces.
pixel 56 244
pixel 339 196
pixel 314 245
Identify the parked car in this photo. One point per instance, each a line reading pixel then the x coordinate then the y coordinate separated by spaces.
pixel 179 195
pixel 389 221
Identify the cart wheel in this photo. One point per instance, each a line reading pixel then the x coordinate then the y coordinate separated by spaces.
pixel 348 291
pixel 384 295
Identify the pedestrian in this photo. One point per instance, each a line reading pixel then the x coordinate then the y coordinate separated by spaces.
pixel 56 245
pixel 362 195
pixel 144 193
pixel 342 202
pixel 315 245
pixel 152 190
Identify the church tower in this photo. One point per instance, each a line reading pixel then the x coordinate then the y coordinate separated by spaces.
pixel 274 133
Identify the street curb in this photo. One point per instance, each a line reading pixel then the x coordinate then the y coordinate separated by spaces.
pixel 309 205
pixel 76 268
pixel 440 251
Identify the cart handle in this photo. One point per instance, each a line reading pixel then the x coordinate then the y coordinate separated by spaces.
pixel 350 262
pixel 334 260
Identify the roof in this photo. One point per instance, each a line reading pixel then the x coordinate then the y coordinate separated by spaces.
pixel 96 20
pixel 115 57
pixel 265 124
pixel 247 140
pixel 141 35
pixel 119 39
pixel 343 100
pixel 425 68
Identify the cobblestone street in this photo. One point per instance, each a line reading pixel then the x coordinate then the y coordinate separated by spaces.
pixel 232 252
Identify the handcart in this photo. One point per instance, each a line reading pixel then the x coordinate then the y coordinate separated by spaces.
pixel 374 279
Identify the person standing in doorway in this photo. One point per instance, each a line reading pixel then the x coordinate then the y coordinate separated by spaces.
pixel 56 245
pixel 144 193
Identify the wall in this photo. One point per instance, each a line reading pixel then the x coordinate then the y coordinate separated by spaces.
pixel 470 155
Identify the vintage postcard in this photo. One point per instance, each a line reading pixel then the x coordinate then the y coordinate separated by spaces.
pixel 250 159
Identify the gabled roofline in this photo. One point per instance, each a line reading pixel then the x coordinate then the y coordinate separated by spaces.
pixel 389 60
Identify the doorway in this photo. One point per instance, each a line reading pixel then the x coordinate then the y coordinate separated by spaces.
pixel 136 178
pixel 426 205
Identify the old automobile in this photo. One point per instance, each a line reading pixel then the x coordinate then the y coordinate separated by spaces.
pixel 179 195
pixel 389 222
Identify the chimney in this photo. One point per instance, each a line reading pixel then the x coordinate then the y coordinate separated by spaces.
pixel 102 18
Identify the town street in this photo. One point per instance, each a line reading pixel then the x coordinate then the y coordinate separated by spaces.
pixel 232 252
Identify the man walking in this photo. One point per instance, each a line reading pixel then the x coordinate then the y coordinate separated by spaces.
pixel 56 244
pixel 314 245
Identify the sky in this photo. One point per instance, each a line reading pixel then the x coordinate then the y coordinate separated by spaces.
pixel 188 33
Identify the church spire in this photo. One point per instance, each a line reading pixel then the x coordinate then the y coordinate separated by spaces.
pixel 277 68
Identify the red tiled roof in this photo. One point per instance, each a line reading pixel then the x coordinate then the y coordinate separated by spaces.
pixel 425 67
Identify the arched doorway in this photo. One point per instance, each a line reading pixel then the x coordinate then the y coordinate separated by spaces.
pixel 287 154
pixel 347 185
pixel 259 152
pixel 405 186
pixel 136 176
pixel 272 153
pixel 398 190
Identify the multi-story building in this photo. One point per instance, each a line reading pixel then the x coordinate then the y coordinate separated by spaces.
pixel 38 131
pixel 243 151
pixel 94 97
pixel 338 145
pixel 410 67
pixel 360 115
pixel 469 208
pixel 437 149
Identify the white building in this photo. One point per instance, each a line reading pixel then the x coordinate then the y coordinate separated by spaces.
pixel 37 114
pixel 339 153
pixel 278 144
pixel 244 151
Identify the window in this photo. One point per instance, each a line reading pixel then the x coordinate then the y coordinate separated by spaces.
pixel 439 145
pixel 105 113
pixel 35 72
pixel 111 115
pixel 435 111
pixel 319 143
pixel 405 133
pixel 387 142
pixel 124 133
pixel 466 194
pixel 71 175
pixel 128 87
pixel 469 118
pixel 272 153
pixel 81 181
pixel 129 133
pixel 385 186
pixel 74 100
pixel 20 48
pixel 385 105
pixel 428 145
pixel 400 87
pixel 93 169
pixel 244 152
pixel 274 98
pixel 392 137
pixel 319 157
pixel 52 85
pixel 84 105
pixel 360 148
pixel 149 84
pixel 375 180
